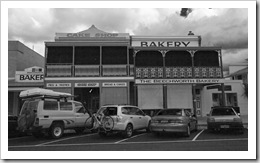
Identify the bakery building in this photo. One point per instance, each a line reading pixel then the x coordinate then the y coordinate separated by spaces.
pixel 152 72
pixel 25 71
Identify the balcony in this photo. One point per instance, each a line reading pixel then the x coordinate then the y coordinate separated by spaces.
pixel 207 72
pixel 58 70
pixel 86 70
pixel 178 72
pixel 149 72
pixel 114 70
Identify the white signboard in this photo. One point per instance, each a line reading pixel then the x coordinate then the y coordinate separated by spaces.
pixel 29 77
pixel 58 85
pixel 86 84
pixel 178 81
pixel 145 44
pixel 118 84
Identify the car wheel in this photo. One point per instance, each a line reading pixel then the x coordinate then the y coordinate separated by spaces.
pixel 56 130
pixel 148 129
pixel 187 134
pixel 128 131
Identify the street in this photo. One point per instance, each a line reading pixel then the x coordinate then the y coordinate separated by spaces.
pixel 201 140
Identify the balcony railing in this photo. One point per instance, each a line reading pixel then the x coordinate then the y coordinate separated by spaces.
pixel 86 70
pixel 178 72
pixel 58 70
pixel 149 72
pixel 131 70
pixel 114 70
pixel 207 72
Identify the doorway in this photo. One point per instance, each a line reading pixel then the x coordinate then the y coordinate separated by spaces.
pixel 89 97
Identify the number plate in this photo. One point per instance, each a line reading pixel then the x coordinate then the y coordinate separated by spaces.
pixel 224 126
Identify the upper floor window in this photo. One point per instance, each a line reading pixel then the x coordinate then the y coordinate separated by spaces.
pixel 206 58
pixel 60 54
pixel 87 55
pixel 112 55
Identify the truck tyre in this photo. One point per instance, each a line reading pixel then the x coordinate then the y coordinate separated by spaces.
pixel 56 130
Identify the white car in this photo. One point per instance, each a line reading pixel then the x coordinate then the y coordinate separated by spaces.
pixel 127 118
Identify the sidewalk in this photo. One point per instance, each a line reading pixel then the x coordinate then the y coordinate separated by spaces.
pixel 202 121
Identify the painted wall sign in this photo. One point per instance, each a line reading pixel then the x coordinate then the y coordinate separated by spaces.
pixel 29 77
pixel 177 81
pixel 86 84
pixel 89 35
pixel 118 84
pixel 58 85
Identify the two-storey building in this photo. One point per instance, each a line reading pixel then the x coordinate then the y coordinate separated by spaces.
pixel 153 72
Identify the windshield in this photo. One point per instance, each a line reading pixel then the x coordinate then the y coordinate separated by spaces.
pixel 171 112
pixel 222 111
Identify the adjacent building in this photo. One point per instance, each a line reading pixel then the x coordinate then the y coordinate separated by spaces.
pixel 25 71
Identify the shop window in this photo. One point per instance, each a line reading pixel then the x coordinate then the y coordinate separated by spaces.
pixel 178 58
pixel 149 59
pixel 59 55
pixel 114 55
pixel 206 58
pixel 87 55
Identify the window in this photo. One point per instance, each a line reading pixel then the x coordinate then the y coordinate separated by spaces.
pixel 114 55
pixel 149 59
pixel 139 112
pixel 60 54
pixel 125 110
pixel 178 58
pixel 66 106
pixel 171 112
pixel 222 111
pixel 87 55
pixel 206 58
pixel 50 105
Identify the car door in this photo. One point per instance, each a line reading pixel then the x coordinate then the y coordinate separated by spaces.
pixel 81 114
pixel 142 119
pixel 134 117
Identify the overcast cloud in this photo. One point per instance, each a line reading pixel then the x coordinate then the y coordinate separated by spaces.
pixel 226 28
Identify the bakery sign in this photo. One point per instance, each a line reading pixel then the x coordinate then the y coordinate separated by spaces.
pixel 29 75
pixel 178 81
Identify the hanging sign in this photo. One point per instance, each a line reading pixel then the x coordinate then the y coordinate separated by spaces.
pixel 58 85
pixel 86 84
pixel 117 84
pixel 178 81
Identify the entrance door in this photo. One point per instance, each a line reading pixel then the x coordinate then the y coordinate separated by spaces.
pixel 89 97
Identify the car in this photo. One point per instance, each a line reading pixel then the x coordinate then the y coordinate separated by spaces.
pixel 174 120
pixel 223 118
pixel 46 112
pixel 127 119
pixel 12 124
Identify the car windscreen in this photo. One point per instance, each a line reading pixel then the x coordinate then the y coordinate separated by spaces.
pixel 176 112
pixel 222 111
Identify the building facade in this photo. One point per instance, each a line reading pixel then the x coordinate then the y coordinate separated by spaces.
pixel 25 71
pixel 151 72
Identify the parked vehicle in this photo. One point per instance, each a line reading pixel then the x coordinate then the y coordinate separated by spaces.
pixel 225 117
pixel 177 120
pixel 12 125
pixel 48 112
pixel 126 118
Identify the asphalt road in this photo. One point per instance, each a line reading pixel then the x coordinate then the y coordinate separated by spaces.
pixel 201 140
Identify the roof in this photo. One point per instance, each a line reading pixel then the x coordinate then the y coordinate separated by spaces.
pixel 239 72
pixel 92 29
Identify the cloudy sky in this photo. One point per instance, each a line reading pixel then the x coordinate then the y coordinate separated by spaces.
pixel 222 27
